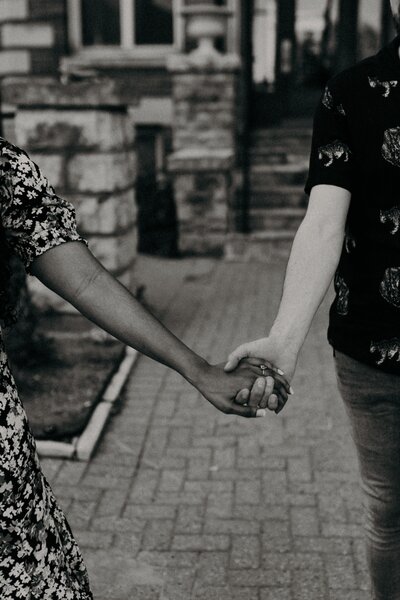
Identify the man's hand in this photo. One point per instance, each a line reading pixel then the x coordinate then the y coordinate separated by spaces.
pixel 276 356
pixel 221 388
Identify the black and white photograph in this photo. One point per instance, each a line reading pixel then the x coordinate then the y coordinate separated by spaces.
pixel 199 299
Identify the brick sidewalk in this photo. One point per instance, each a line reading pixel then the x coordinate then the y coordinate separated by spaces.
pixel 181 502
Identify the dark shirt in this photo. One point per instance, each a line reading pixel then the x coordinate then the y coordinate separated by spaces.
pixel 356 146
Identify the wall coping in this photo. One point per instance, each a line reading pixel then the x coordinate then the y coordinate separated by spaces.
pixel 212 62
pixel 117 58
pixel 200 159
pixel 49 92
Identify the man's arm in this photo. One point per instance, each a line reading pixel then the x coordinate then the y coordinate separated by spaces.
pixel 313 260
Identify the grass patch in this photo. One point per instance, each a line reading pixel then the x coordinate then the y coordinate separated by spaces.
pixel 62 383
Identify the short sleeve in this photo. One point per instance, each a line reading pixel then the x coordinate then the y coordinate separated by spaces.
pixel 33 217
pixel 331 159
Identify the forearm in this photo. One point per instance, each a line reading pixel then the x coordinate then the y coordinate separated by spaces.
pixel 107 303
pixel 314 258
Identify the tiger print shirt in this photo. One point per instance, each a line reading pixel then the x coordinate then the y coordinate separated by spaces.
pixel 356 146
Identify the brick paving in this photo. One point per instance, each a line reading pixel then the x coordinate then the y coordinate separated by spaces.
pixel 181 502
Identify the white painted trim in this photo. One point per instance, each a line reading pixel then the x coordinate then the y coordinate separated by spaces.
pixel 82 447
pixel 74 24
pixel 127 17
pixel 179 25
pixel 231 37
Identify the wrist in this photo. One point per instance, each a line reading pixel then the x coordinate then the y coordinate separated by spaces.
pixel 196 370
pixel 286 341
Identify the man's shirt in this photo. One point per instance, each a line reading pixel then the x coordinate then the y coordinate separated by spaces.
pixel 356 146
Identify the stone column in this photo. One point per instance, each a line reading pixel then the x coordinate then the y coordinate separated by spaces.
pixel 81 136
pixel 205 134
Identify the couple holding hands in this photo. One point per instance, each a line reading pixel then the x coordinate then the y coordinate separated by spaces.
pixel 349 234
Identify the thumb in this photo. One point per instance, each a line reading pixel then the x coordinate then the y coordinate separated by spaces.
pixel 236 356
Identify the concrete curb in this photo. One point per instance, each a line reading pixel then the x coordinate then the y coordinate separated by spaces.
pixel 82 447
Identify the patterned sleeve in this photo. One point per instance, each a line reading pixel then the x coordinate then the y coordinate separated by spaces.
pixel 33 217
pixel 331 160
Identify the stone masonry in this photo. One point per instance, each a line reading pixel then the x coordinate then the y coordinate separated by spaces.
pixel 33 36
pixel 81 136
pixel 205 135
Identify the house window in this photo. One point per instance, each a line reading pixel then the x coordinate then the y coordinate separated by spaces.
pixel 100 22
pixel 154 22
pixel 126 24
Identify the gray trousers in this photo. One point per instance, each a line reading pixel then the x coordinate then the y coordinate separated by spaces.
pixel 372 400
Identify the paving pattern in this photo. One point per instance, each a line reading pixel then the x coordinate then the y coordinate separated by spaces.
pixel 181 502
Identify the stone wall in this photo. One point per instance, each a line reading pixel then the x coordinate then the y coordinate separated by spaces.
pixel 204 164
pixel 204 184
pixel 82 137
pixel 32 36
pixel 205 108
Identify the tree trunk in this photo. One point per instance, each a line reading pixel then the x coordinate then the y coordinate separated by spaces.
pixel 388 30
pixel 347 52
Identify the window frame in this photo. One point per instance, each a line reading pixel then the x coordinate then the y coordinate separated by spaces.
pixel 127 31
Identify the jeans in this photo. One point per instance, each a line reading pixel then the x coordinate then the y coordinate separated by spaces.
pixel 372 400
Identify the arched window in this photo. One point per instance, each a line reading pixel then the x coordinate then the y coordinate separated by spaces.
pixel 127 24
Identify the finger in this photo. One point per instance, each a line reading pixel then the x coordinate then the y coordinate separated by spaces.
pixel 280 390
pixel 282 381
pixel 273 402
pixel 269 388
pixel 255 361
pixel 257 391
pixel 270 371
pixel 249 412
pixel 236 356
pixel 282 396
pixel 242 397
pixel 281 405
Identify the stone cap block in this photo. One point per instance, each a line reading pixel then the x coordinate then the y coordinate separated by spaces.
pixel 212 62
pixel 201 159
pixel 40 92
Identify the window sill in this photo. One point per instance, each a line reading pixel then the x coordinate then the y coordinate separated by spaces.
pixel 117 58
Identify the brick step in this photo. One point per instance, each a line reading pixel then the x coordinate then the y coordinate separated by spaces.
pixel 278 156
pixel 275 219
pixel 259 246
pixel 266 175
pixel 282 132
pixel 278 197
pixel 285 143
pixel 281 138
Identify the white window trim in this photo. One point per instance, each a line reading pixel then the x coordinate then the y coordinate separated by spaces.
pixel 127 32
pixel 234 24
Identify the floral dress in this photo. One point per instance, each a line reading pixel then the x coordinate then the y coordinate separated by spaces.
pixel 39 558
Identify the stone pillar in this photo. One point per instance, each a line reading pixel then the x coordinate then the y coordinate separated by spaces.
pixel 205 134
pixel 81 136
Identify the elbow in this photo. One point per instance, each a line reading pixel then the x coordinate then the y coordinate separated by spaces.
pixel 86 284
pixel 318 229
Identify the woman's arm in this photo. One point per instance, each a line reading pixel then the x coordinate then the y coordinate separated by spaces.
pixel 73 272
pixel 313 260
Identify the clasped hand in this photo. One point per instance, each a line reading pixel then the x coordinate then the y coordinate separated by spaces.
pixel 242 387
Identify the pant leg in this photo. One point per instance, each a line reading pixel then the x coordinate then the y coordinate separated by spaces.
pixel 372 400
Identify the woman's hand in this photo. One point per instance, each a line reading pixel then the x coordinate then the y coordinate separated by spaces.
pixel 221 388
pixel 277 356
